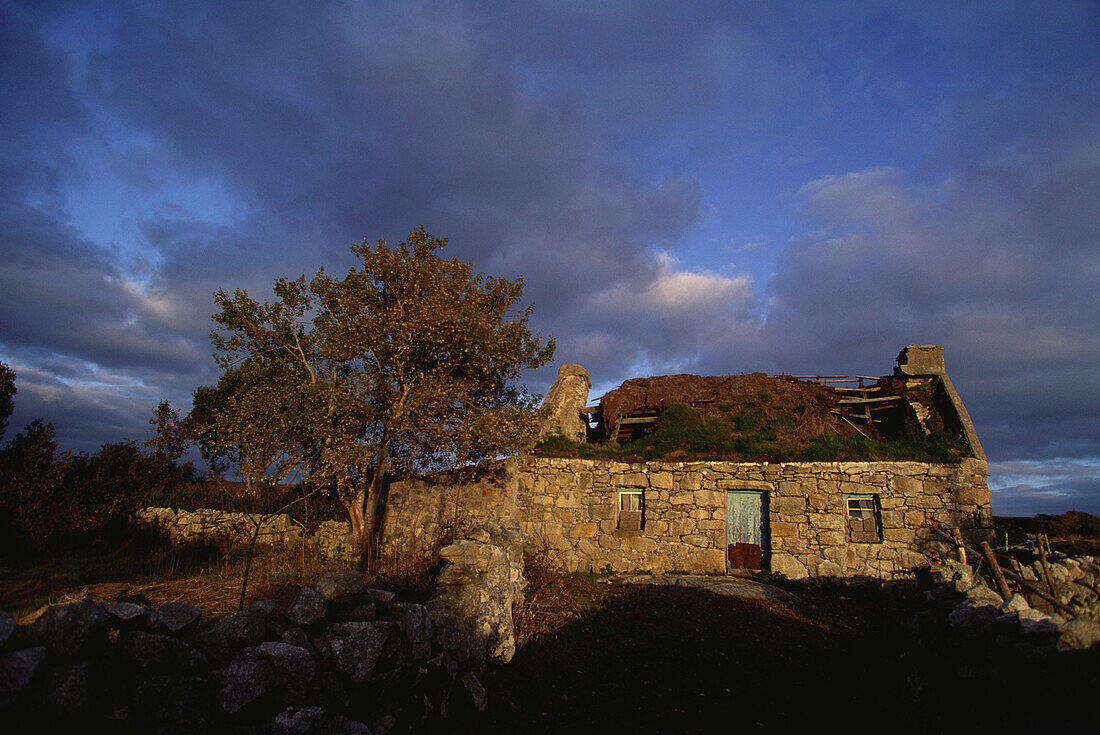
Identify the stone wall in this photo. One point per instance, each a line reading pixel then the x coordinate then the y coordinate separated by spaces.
pixel 565 402
pixel 338 658
pixel 228 530
pixel 569 507
pixel 482 581
pixel 424 514
pixel 966 600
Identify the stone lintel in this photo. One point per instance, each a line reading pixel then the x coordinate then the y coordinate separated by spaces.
pixel 745 485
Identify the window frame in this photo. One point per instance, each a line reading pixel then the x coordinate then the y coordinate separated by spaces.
pixel 863 507
pixel 622 494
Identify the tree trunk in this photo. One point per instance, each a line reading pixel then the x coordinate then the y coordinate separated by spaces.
pixel 248 560
pixel 374 498
pixel 353 499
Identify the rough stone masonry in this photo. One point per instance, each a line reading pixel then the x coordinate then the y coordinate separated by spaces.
pixel 339 657
pixel 571 507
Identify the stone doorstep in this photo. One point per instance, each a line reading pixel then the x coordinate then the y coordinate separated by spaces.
pixel 728 586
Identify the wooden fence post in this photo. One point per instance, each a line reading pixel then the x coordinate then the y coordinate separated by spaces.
pixel 998 575
pixel 1046 569
pixel 957 535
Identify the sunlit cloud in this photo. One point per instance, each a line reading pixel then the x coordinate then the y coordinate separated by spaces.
pixel 716 187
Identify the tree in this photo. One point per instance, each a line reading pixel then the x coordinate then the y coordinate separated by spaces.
pixel 170 438
pixel 253 419
pixel 408 363
pixel 48 496
pixel 7 390
pixel 28 486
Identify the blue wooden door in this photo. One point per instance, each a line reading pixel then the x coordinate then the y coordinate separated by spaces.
pixel 744 529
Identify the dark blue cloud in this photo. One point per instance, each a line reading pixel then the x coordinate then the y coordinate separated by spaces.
pixel 713 187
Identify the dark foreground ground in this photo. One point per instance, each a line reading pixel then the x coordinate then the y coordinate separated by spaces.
pixel 674 660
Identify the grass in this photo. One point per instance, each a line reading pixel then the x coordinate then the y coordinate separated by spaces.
pixel 941 447
pixel 751 435
pixel 149 571
pixel 553 599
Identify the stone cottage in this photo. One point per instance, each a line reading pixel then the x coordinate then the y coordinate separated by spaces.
pixel 800 518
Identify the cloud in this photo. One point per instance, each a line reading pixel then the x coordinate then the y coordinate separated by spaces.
pixel 996 259
pixel 87 404
pixel 672 292
pixel 160 152
pixel 668 319
pixel 1051 486
pixel 874 198
pixel 916 176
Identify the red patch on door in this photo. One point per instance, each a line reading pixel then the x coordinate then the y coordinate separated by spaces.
pixel 744 556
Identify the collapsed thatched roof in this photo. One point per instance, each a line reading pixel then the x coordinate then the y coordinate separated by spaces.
pixel 639 395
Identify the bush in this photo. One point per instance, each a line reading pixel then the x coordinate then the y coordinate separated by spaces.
pixel 74 498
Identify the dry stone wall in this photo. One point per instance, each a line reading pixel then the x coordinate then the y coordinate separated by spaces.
pixel 424 514
pixel 482 581
pixel 228 530
pixel 338 658
pixel 565 402
pixel 965 600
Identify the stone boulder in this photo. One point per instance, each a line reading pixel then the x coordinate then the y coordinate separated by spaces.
pixel 182 703
pixel 414 621
pixel 68 630
pixel 177 617
pixel 16 671
pixel 341 586
pixel 483 584
pixel 307 607
pixel 972 615
pixel 1078 635
pixel 69 688
pixel 245 627
pixel 7 625
pixel 294 668
pixel 354 648
pixel 299 721
pixel 155 651
pixel 448 632
pixel 247 679
pixel 128 615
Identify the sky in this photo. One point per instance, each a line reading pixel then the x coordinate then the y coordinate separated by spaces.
pixel 701 187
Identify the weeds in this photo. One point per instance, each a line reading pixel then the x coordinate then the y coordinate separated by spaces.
pixel 145 567
pixel 753 435
pixel 941 447
pixel 554 597
pixel 777 579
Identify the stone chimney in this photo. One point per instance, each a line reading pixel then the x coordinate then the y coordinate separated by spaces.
pixel 921 360
pixel 565 403
pixel 927 360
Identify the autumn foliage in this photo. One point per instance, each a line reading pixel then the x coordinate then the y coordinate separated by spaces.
pixel 407 363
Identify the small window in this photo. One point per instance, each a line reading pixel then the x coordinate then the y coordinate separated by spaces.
pixel 864 525
pixel 631 509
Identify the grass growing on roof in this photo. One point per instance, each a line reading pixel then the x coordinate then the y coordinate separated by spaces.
pixel 757 432
pixel 942 447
